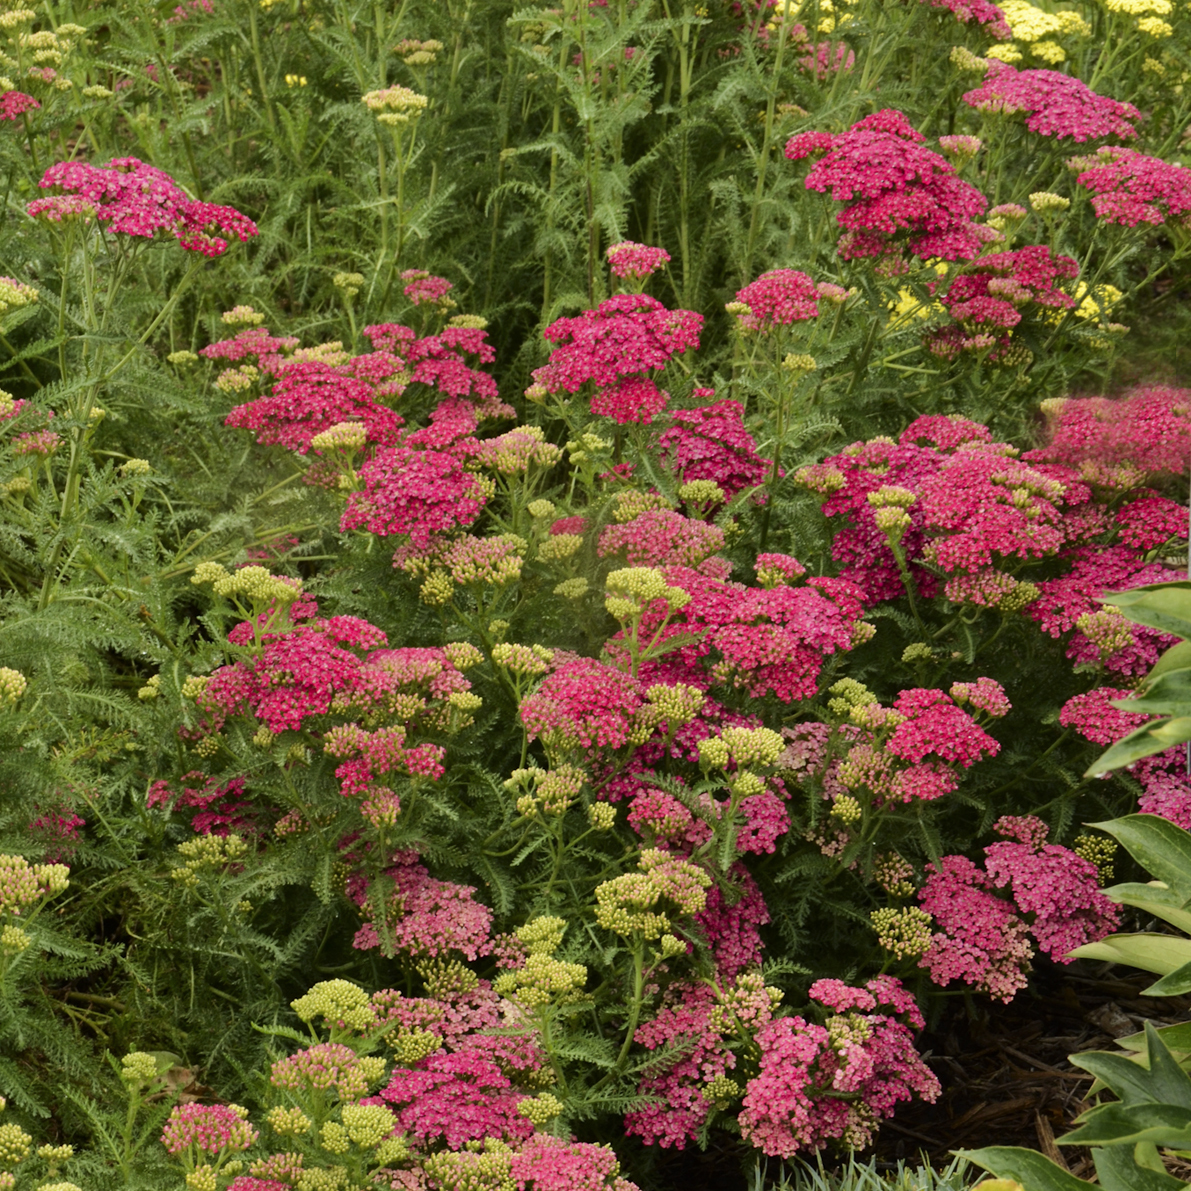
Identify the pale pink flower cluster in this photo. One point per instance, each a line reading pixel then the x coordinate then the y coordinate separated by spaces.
pixel 207 1129
pixel 326 1066
pixel 428 917
pixel 630 259
pixel 661 538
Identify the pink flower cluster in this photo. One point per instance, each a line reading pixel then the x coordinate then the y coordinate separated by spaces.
pixel 764 642
pixel 711 443
pixel 834 1083
pixel 1055 104
pixel 636 261
pixel 1144 435
pixel 419 493
pixel 135 199
pixel 456 1097
pixel 1129 187
pixel 14 104
pixel 1059 888
pixel 219 808
pixel 1165 784
pixel 207 1129
pixel 310 397
pixel 421 286
pixel 624 339
pixel 982 938
pixel 901 195
pixel 583 704
pixel 983 12
pixel 427 918
pixel 972 506
pixel 990 295
pixel 777 299
pixel 308 670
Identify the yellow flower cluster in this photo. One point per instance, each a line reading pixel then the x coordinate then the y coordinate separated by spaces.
pixel 1037 30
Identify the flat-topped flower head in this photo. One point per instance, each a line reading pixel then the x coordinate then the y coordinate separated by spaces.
pixel 901 195
pixel 636 261
pixel 1055 104
pixel 777 299
pixel 135 199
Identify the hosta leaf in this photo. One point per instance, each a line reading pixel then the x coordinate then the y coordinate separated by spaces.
pixel 1158 845
pixel 1150 952
pixel 1120 1124
pixel 1028 1167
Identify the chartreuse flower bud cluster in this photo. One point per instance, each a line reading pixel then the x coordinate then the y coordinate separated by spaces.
pixel 737 752
pixel 905 933
pixel 12 686
pixel 628 905
pixel 546 793
pixel 672 707
pixel 395 105
pixel 632 590
pixel 342 1006
pixel 14 295
pixel 481 1166
pixel 1098 850
pixel 207 852
pixel 542 979
pixel 24 888
pixel 253 583
pixel 540 1109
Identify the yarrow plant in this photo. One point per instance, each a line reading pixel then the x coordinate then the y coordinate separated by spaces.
pixel 646 646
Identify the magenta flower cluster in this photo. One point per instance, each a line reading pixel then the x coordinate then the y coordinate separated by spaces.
pixel 1055 104
pixel 134 199
pixel 901 196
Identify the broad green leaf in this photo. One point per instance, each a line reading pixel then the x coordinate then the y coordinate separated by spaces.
pixel 1141 742
pixel 1174 984
pixel 1176 1037
pixel 1150 952
pixel 1119 1124
pixel 1158 845
pixel 1118 1171
pixel 1156 900
pixel 1163 1082
pixel 1162 606
pixel 1028 1167
pixel 1168 694
pixel 1177 657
